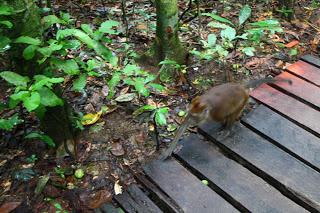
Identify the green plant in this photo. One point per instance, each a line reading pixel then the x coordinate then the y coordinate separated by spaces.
pixel 9 123
pixel 5 24
pixel 158 114
pixel 219 46
pixel 36 94
pixel 45 138
pixel 134 76
pixel 33 158
pixel 60 171
pixel 285 12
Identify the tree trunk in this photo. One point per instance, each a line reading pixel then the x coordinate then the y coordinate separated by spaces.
pixel 167 42
pixel 26 22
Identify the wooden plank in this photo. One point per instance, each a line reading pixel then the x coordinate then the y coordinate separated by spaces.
pixel 311 59
pixel 288 106
pixel 300 88
pixel 166 202
pixel 183 187
pixel 139 197
pixel 306 71
pixel 128 204
pixel 286 134
pixel 235 180
pixel 289 175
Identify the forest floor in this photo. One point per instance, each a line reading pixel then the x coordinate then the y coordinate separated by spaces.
pixel 119 143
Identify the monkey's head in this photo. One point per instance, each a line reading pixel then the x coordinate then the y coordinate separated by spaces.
pixel 198 109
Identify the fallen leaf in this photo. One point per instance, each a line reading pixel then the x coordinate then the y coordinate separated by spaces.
pixel 292 44
pixel 117 188
pixel 125 97
pixel 41 184
pixel 9 206
pixel 100 197
pixel 117 149
pixel 124 91
pixel 90 118
pixel 105 90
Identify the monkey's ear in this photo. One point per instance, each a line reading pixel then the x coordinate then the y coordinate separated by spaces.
pixel 197 106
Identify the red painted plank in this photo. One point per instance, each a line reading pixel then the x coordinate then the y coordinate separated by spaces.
pixel 303 89
pixel 289 106
pixel 306 71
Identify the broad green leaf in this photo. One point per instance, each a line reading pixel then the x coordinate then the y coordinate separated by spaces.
pixel 32 102
pixel 20 95
pixel 106 27
pixel 71 44
pixel 115 80
pixel 42 80
pixel 6 23
pixel 14 78
pixel 266 23
pixel 47 51
pixel 168 61
pixel 49 98
pixel 49 20
pixel 45 138
pixel 4 43
pixel 228 33
pixel 245 13
pixel 218 25
pixel 5 10
pixel 92 64
pixel 65 17
pixel 87 29
pixel 249 51
pixel 125 97
pixel 212 39
pixel 158 87
pixel 70 66
pixel 218 18
pixel 160 116
pixel 61 34
pixel 29 52
pixel 80 83
pixel 130 69
pixel 140 87
pixel 28 40
pixel 293 52
pixel 8 124
pixel 143 109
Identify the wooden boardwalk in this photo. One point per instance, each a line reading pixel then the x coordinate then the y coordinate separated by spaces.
pixel 269 163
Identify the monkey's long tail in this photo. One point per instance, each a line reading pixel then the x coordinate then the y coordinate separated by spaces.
pixel 175 141
pixel 255 83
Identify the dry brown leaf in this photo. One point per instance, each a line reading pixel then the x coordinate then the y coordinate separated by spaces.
pixel 292 43
pixel 9 206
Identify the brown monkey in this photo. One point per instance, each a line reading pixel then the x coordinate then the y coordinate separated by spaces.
pixel 223 103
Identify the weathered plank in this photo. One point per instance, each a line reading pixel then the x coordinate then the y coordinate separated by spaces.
pixel 128 204
pixel 289 175
pixel 306 71
pixel 162 199
pixel 238 182
pixel 311 59
pixel 299 88
pixel 285 133
pixel 139 197
pixel 288 106
pixel 183 187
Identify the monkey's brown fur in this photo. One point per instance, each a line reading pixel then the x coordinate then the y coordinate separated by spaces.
pixel 223 104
